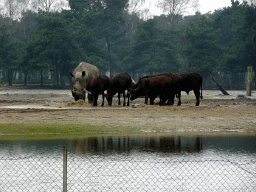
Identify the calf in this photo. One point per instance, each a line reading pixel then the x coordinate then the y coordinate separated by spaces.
pixel 118 84
pixel 151 87
pixel 98 85
pixel 192 81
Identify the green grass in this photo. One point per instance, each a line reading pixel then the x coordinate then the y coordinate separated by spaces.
pixel 251 130
pixel 58 131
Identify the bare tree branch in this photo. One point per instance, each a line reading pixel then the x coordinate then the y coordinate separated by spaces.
pixel 177 7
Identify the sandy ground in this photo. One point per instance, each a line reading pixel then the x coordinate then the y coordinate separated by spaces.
pixel 216 113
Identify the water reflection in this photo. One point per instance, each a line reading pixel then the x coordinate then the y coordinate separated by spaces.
pixel 126 144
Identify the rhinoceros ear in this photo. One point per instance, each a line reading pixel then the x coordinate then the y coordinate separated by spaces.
pixel 71 74
pixel 83 73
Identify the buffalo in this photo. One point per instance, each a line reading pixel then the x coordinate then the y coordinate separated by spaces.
pixel 176 83
pixel 192 81
pixel 81 79
pixel 119 83
pixel 151 87
pixel 98 85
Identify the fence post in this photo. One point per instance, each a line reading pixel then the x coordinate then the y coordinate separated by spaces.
pixel 249 81
pixel 65 168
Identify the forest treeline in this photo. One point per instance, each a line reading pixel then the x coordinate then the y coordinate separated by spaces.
pixel 105 34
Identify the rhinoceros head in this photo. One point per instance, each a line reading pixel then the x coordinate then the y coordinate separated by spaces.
pixel 79 80
pixel 78 94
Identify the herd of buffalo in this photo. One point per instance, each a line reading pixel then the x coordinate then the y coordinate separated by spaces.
pixel 86 78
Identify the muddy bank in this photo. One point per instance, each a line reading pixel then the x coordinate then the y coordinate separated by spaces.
pixel 216 113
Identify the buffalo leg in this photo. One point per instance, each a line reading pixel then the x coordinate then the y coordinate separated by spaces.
pixel 179 103
pixel 124 97
pixel 128 102
pixel 146 98
pixel 90 98
pixel 152 100
pixel 172 95
pixel 119 102
pixel 197 94
pixel 162 100
pixel 102 98
pixel 94 98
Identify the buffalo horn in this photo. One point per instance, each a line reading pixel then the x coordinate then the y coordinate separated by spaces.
pixel 87 91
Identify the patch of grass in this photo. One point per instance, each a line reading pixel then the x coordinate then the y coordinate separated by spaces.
pixel 58 131
pixel 251 130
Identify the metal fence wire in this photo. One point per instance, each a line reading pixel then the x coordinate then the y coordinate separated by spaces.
pixel 127 172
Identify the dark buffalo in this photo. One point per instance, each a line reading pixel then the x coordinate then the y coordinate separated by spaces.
pixel 98 85
pixel 192 81
pixel 151 87
pixel 118 84
pixel 176 83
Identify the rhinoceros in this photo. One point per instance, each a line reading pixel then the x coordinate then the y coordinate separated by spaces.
pixel 81 79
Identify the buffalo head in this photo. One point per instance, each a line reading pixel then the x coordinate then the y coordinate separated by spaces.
pixel 133 94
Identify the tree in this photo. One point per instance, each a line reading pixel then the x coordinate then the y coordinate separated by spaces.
pixel 25 25
pixel 200 48
pixel 130 25
pixel 152 50
pixel 235 27
pixel 11 52
pixel 98 28
pixel 49 5
pixel 4 40
pixel 51 45
pixel 248 42
pixel 174 8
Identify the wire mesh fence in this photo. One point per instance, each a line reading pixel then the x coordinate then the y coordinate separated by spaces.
pixel 135 171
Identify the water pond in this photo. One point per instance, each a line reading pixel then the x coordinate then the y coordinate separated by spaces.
pixel 162 163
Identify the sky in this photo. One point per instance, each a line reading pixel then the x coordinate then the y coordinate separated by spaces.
pixel 205 6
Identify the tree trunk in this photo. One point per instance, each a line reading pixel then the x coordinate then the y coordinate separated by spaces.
pixel 62 79
pixel 25 77
pixel 55 77
pixel 42 78
pixel 10 76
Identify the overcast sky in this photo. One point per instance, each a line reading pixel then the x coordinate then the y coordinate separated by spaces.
pixel 205 5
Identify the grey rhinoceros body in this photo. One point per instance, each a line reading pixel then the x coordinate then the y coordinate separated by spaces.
pixel 81 79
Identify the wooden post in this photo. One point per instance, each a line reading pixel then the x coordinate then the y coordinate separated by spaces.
pixel 220 88
pixel 249 81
